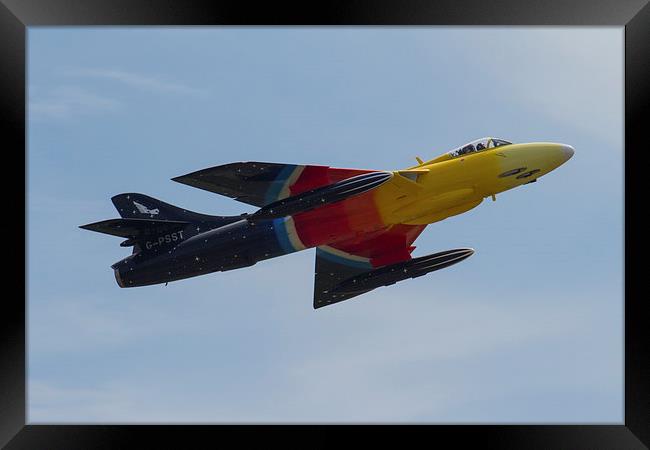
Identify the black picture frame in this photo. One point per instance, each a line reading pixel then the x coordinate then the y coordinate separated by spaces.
pixel 16 15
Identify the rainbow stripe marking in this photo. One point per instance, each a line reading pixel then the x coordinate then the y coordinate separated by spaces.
pixel 285 232
pixel 279 189
pixel 340 257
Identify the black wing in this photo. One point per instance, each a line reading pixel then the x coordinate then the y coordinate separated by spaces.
pixel 262 183
pixel 255 183
pixel 338 279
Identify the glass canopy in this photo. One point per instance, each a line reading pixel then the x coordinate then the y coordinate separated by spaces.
pixel 477 146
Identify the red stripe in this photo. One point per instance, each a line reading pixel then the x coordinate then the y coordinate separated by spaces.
pixel 353 225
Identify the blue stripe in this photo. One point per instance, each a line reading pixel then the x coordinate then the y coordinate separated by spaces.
pixel 282 235
pixel 342 260
pixel 273 192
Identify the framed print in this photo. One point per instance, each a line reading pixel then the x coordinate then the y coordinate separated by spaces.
pixel 504 137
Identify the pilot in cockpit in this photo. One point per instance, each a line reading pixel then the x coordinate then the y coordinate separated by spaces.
pixel 467 149
pixel 477 146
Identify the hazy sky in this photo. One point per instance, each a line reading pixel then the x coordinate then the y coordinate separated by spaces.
pixel 529 329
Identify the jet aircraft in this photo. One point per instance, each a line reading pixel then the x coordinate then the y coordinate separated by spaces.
pixel 362 222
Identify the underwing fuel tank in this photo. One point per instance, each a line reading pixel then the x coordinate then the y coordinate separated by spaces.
pixel 385 276
pixel 331 193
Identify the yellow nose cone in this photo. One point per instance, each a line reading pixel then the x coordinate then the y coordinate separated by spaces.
pixel 567 151
pixel 546 156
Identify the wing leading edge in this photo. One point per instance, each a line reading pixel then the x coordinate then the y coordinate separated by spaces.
pixel 261 183
pixel 336 282
pixel 345 260
pixel 348 269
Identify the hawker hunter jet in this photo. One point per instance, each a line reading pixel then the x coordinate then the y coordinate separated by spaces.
pixel 362 222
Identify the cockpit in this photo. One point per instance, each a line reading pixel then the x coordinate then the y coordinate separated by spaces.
pixel 477 146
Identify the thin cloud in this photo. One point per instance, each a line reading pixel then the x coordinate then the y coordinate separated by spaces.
pixel 150 83
pixel 66 101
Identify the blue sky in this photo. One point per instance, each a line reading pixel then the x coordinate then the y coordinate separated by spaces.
pixel 528 330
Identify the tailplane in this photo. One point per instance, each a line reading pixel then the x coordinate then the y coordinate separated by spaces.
pixel 137 231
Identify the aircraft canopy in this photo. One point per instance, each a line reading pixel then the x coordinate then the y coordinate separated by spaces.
pixel 477 146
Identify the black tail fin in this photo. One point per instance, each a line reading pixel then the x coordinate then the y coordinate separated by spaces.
pixel 150 224
pixel 140 206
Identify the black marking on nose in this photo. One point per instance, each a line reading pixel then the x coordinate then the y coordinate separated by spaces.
pixel 512 172
pixel 527 174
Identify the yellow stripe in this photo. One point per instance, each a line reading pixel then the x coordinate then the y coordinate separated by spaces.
pixel 292 234
pixel 342 254
pixel 285 192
